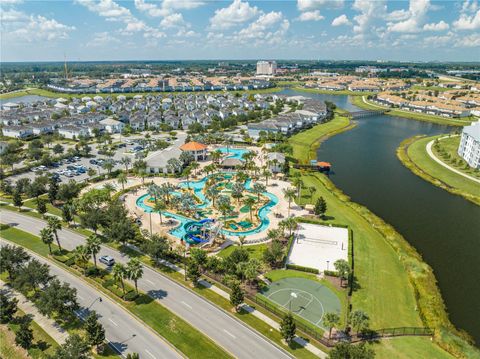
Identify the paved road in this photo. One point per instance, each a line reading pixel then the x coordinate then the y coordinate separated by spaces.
pixel 240 340
pixel 124 332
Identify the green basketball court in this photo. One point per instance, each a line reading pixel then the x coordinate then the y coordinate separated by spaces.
pixel 304 297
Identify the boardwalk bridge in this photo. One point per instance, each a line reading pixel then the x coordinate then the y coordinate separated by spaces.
pixel 367 113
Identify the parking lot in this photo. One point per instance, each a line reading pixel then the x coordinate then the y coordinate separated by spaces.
pixel 77 167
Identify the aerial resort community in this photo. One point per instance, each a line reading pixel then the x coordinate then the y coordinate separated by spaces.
pixel 196 198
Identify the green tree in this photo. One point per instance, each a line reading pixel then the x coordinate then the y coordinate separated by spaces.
pixel 199 256
pixel 159 207
pixel 32 275
pixel 24 335
pixel 359 320
pixel 345 350
pixel 288 328
pixel 250 203
pixel 193 271
pixel 67 214
pixel 52 190
pixel 81 256
pixel 119 273
pixel 133 356
pixel 134 271
pixel 47 237
pixel 236 296
pixel 54 225
pixel 58 149
pixel 95 331
pixel 12 259
pixel 122 180
pixel 93 247
pixel 289 194
pixel 330 320
pixel 8 308
pixel 343 269
pixel 320 207
pixel 74 348
pixel 274 253
pixel 17 199
pixel 157 247
pixel 41 206
pixel 58 298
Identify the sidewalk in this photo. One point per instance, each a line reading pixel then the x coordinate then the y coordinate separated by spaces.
pixel 48 325
pixel 311 348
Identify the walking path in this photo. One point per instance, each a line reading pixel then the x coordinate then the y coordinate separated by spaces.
pixel 311 348
pixel 436 159
pixel 48 325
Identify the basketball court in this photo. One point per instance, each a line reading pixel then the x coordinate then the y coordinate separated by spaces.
pixel 306 298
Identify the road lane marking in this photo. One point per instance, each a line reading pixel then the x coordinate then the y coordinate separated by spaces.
pixel 185 304
pixel 80 297
pixel 113 322
pixel 153 356
pixel 149 281
pixel 233 336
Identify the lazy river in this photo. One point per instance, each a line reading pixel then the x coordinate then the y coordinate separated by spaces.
pixel 197 186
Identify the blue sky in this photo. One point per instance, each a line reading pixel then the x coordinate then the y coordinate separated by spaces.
pixel 85 30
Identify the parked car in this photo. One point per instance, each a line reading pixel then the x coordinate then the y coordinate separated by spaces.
pixel 107 260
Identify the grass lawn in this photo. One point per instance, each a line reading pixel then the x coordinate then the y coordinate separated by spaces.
pixel 413 154
pixel 178 332
pixel 8 348
pixel 358 101
pixel 385 264
pixel 43 344
pixel 255 251
pixel 409 347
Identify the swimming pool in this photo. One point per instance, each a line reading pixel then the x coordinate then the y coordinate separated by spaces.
pixel 197 187
pixel 233 152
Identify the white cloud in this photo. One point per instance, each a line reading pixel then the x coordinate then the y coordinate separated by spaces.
pixel 101 39
pixel 236 13
pixel 173 20
pixel 369 10
pixel 468 22
pixel 268 28
pixel 186 33
pixel 11 2
pixel 311 16
pixel 341 20
pixel 39 28
pixel 305 5
pixel 106 8
pixel 166 7
pixel 440 26
pixel 12 16
pixel 416 11
pixel 472 40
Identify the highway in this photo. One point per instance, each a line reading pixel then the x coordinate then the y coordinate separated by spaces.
pixel 228 332
pixel 125 333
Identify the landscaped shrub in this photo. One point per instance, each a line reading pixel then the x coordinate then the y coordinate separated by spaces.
pixel 303 269
pixel 131 296
pixel 330 273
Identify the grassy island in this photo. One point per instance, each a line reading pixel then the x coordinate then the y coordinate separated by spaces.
pixel 413 154
pixel 395 286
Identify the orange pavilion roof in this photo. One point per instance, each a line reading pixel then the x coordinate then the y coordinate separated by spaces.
pixel 324 164
pixel 193 146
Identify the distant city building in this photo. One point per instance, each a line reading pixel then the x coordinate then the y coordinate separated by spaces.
pixel 469 148
pixel 369 69
pixel 266 67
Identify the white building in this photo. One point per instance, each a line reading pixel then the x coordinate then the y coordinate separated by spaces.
pixel 112 125
pixel 469 148
pixel 266 67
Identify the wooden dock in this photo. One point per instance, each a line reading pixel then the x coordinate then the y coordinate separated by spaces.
pixel 367 113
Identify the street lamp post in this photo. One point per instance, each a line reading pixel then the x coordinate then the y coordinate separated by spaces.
pixel 99 300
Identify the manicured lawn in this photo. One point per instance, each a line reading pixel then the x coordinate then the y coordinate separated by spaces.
pixel 358 101
pixel 440 175
pixel 178 332
pixel 328 92
pixel 8 348
pixel 43 344
pixel 384 287
pixel 255 251
pixel 278 274
pixel 409 347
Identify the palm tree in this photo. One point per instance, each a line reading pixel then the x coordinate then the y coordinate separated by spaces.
pixel 330 320
pixel 152 190
pixel 237 191
pixel 298 183
pixel 134 271
pixel 250 202
pixel 266 173
pixel 122 179
pixel 159 207
pixel 241 239
pixel 212 194
pixel 93 247
pixel 289 194
pixel 258 188
pixel 290 223
pixel 119 273
pixel 312 190
pixel 108 166
pixel 47 237
pixel 216 155
pixel 81 255
pixel 126 162
pixel 195 166
pixel 109 188
pixel 54 225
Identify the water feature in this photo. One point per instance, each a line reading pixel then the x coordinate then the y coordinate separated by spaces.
pixel 23 99
pixel 443 227
pixel 233 152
